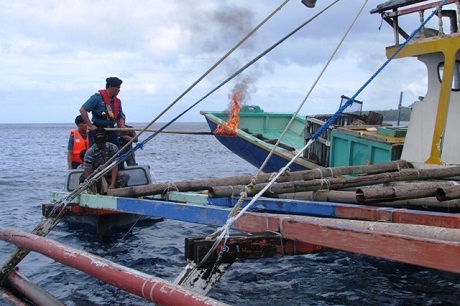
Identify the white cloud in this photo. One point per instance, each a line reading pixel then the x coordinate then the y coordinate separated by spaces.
pixel 55 54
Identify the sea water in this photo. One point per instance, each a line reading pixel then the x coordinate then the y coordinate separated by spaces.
pixel 33 163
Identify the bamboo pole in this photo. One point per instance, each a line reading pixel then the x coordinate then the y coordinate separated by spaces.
pixel 399 192
pixel 431 202
pixel 338 183
pixel 151 288
pixel 32 292
pixel 446 193
pixel 349 197
pixel 196 185
pixel 163 131
pixel 337 196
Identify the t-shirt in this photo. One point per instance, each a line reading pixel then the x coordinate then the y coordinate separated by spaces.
pixel 96 157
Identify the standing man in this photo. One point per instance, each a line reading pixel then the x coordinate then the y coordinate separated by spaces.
pixel 106 110
pixel 97 155
pixel 78 142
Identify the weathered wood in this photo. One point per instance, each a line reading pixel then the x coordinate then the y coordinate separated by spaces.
pixel 196 185
pixel 398 192
pixel 448 193
pixel 338 183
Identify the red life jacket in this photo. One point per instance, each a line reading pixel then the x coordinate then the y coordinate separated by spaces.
pixel 116 103
pixel 79 144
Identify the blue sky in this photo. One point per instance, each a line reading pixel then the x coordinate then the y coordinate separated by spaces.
pixel 55 54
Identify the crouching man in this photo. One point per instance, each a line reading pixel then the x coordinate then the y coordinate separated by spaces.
pixel 97 155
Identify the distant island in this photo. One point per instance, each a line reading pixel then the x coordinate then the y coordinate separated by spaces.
pixel 392 114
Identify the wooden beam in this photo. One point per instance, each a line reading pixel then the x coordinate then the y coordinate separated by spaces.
pixel 423 250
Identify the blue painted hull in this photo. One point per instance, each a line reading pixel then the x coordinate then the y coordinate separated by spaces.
pixel 255 152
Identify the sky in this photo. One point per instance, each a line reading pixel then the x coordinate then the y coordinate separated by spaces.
pixel 55 54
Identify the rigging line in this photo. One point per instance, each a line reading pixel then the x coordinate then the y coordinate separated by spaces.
pixel 351 99
pixel 242 198
pixel 120 158
pixel 114 161
pixel 110 164
pixel 314 85
pixel 193 85
pixel 243 195
pixel 232 76
pixel 225 228
pixel 340 110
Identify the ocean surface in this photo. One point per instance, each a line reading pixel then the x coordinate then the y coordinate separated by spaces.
pixel 33 163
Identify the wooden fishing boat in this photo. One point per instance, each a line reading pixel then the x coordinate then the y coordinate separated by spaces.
pixel 431 134
pixel 353 139
pixel 405 210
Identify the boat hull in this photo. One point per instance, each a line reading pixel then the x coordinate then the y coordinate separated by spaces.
pixel 256 135
pixel 255 153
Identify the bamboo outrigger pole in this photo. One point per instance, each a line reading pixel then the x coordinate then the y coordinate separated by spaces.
pixel 143 285
pixel 162 131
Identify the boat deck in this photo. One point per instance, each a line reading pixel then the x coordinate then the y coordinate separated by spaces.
pixel 416 235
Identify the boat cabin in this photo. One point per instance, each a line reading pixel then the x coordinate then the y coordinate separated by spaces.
pixel 432 138
pixel 138 175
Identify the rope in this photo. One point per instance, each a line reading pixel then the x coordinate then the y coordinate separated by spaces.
pixel 223 82
pixel 232 220
pixel 233 216
pixel 118 158
pixel 47 225
pixel 238 204
pixel 312 87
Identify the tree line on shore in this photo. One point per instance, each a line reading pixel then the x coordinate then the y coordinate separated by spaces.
pixel 392 114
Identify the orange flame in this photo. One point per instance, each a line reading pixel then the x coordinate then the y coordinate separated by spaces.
pixel 229 128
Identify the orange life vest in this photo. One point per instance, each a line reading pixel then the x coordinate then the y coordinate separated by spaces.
pixel 79 144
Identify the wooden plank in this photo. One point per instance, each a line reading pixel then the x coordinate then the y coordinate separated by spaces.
pixel 75 210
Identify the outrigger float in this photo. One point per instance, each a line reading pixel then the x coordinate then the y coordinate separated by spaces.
pixel 405 210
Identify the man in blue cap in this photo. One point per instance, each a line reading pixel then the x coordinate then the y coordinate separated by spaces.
pixel 106 110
